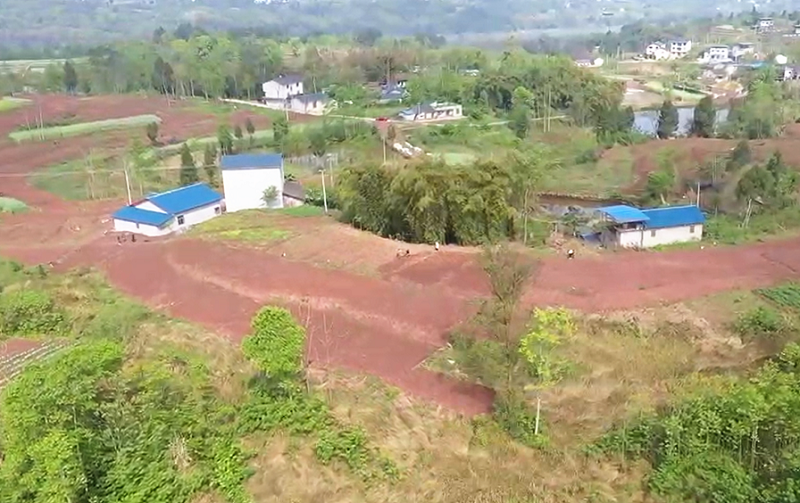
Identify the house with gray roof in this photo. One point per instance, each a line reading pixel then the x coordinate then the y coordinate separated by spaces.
pixel 313 104
pixel 282 87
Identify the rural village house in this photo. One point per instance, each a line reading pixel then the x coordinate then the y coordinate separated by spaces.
pixel 293 194
pixel 246 177
pixel 283 87
pixel 432 111
pixel 171 211
pixel 314 104
pixel 630 227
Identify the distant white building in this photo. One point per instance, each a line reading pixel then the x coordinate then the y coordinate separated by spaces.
pixel 742 49
pixel 715 54
pixel 313 104
pixel 657 51
pixel 679 48
pixel 764 24
pixel 168 212
pixel 590 62
pixel 432 111
pixel 629 227
pixel 247 177
pixel 283 87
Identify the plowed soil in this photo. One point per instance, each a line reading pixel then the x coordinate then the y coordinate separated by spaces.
pixel 385 323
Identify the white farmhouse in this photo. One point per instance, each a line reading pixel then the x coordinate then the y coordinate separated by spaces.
pixel 283 87
pixel 657 51
pixel 168 212
pixel 312 104
pixel 432 111
pixel 247 177
pixel 716 54
pixel 679 48
pixel 629 227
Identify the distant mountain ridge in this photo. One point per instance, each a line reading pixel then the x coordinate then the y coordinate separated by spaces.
pixel 42 22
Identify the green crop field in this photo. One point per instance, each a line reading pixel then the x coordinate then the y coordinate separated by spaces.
pixel 10 205
pixel 7 103
pixel 83 128
pixel 786 295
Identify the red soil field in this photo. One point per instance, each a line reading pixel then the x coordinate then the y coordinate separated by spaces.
pixel 385 324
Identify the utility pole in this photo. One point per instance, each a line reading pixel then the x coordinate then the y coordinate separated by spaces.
pixel 127 182
pixel 698 194
pixel 324 193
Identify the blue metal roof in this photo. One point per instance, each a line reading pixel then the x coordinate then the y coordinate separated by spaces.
pixel 185 198
pixel 251 161
pixel 140 216
pixel 673 216
pixel 623 214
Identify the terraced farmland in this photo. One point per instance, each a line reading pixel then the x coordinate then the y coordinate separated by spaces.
pixel 14 361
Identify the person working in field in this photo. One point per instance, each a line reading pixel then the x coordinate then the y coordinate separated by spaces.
pixel 570 254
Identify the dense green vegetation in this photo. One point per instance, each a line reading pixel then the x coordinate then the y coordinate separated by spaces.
pixel 123 417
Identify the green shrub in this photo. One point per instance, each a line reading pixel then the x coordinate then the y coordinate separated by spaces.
pixel 29 312
pixel 515 416
pixel 276 344
pixel 760 321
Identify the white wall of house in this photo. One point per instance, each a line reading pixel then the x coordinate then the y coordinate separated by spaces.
pixel 195 216
pixel 144 229
pixel 316 107
pixel 275 91
pixel 244 188
pixel 648 238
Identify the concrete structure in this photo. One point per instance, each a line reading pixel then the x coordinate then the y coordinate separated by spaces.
pixel 432 111
pixel 392 94
pixel 742 49
pixel 679 48
pixel 313 104
pixel 293 194
pixel 657 51
pixel 590 62
pixel 172 211
pixel 246 178
pixel 282 87
pixel 716 54
pixel 629 227
pixel 765 24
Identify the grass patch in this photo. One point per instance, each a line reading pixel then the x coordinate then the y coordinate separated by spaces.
pixel 729 229
pixel 248 226
pixel 11 205
pixel 584 172
pixel 83 128
pixel 7 103
pixel 305 210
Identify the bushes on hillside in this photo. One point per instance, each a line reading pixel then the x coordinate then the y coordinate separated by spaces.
pixel 29 312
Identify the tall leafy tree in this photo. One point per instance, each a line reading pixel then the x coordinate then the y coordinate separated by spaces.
pixel 667 120
pixel 70 77
pixel 704 120
pixel 225 139
pixel 280 129
pixel 519 121
pixel 250 127
pixel 210 163
pixel 188 173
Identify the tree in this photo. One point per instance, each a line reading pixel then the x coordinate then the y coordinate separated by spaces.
pixel 210 163
pixel 70 77
pixel 270 196
pixel 667 120
pixel 391 134
pixel 225 139
pixel 250 127
pixel 704 120
pixel 152 132
pixel 280 129
pixel 276 344
pixel 319 142
pixel 740 156
pixel 519 121
pixel 188 173
pixel 237 132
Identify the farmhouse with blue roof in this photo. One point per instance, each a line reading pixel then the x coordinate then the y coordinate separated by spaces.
pixel 170 211
pixel 249 178
pixel 629 227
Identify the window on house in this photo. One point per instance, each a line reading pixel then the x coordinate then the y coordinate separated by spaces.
pixel 652 234
pixel 180 219
pixel 691 229
pixel 217 210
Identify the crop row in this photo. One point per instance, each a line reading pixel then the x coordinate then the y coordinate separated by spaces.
pixel 12 365
pixel 787 294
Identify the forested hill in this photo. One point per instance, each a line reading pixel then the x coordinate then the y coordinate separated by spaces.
pixel 56 22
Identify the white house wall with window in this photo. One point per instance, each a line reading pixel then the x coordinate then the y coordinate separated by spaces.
pixel 630 227
pixel 245 178
pixel 171 211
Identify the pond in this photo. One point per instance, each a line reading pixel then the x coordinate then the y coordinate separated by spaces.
pixel 646 121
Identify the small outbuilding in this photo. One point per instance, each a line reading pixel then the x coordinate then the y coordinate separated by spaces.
pixel 629 227
pixel 171 211
pixel 252 181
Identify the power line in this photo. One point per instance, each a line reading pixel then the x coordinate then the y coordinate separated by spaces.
pixel 89 171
